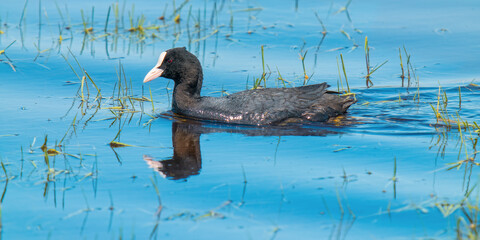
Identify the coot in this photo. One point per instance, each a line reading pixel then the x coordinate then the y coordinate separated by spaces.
pixel 252 107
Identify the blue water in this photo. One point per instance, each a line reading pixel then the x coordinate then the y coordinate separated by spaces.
pixel 380 172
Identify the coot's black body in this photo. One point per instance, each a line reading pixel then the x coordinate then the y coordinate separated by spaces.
pixel 252 107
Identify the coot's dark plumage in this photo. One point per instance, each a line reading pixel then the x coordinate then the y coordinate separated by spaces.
pixel 252 107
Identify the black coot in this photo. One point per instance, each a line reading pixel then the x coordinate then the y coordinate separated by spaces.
pixel 253 107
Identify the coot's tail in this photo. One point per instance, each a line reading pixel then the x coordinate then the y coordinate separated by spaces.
pixel 347 101
pixel 330 105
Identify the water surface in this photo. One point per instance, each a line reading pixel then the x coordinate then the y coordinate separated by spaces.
pixel 383 171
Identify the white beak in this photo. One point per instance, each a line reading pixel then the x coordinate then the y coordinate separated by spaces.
pixel 156 71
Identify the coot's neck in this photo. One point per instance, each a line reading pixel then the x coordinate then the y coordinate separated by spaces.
pixel 186 92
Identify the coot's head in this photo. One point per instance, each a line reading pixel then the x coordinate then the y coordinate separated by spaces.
pixel 177 64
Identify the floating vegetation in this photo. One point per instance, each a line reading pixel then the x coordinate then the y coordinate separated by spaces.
pixel 447 119
pixel 114 144
pixel 86 28
pixel 345 9
pixel 7 60
pixel 450 122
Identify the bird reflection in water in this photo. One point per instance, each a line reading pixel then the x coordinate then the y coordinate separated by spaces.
pixel 187 159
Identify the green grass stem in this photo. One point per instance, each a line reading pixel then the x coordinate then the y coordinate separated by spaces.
pixel 345 73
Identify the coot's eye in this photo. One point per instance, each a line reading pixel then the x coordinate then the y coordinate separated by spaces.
pixel 170 60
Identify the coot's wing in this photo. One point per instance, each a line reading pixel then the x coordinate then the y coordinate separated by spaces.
pixel 271 105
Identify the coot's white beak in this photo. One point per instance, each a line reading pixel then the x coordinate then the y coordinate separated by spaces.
pixel 156 71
